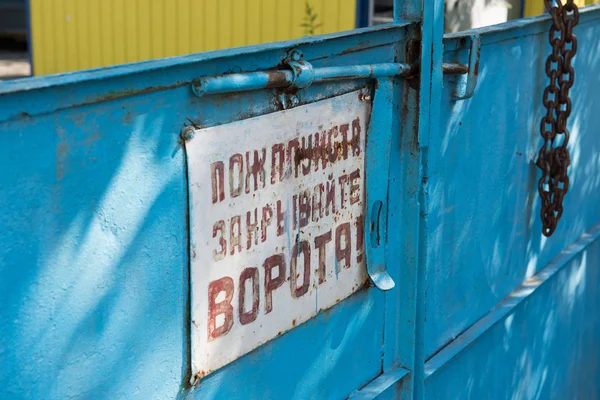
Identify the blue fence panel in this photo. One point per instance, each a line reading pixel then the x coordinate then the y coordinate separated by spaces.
pixel 484 228
pixel 94 265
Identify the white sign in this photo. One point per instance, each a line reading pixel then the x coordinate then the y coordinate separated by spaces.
pixel 276 208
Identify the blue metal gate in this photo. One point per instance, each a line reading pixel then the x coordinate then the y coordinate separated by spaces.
pixel 467 298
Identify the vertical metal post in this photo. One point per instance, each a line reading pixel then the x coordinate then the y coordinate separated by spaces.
pixel 363 13
pixel 418 118
pixel 429 123
pixel 408 9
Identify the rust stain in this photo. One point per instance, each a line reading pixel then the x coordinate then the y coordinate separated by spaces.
pixel 113 95
pixel 94 137
pixel 61 154
pixel 127 118
pixel 62 150
pixel 454 69
pixel 77 119
pixel 24 115
pixel 275 79
pixel 360 46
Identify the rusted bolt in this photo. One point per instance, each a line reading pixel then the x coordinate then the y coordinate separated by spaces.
pixel 364 97
pixel 195 380
pixel 281 101
pixel 187 134
pixel 295 55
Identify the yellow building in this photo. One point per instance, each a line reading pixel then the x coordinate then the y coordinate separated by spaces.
pixel 536 7
pixel 69 35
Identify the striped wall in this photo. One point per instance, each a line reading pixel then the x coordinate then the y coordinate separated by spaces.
pixel 536 7
pixel 69 35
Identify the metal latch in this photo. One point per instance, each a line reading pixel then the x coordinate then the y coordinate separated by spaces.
pixel 471 70
pixel 299 74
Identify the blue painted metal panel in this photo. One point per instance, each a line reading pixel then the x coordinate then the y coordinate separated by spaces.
pixel 94 279
pixel 485 235
pixel 93 210
pixel 544 346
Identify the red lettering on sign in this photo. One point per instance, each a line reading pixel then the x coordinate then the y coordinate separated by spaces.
pixel 252 228
pixel 271 283
pixel 342 244
pixel 277 162
pixel 304 248
pixel 303 155
pixel 267 215
pixel 344 144
pixel 317 205
pixel 320 152
pixel 235 235
pixel 280 219
pixel 219 228
pixel 355 186
pixel 306 152
pixel 236 161
pixel 217 176
pixel 256 169
pixel 320 242
pixel 304 208
pixel 333 150
pixel 342 186
pixel 293 156
pixel 248 316
pixel 295 210
pixel 224 307
pixel 275 275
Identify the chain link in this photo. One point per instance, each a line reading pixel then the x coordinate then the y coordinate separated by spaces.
pixel 553 158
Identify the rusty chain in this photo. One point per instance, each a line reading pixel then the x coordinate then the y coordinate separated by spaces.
pixel 553 158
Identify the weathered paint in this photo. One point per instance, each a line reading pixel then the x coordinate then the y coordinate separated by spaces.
pixel 485 235
pixel 277 222
pixel 298 75
pixel 93 199
pixel 121 196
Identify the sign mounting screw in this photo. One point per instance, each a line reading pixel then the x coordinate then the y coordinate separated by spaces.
pixel 187 134
pixel 294 100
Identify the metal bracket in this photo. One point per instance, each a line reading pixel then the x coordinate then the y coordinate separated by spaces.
pixel 303 71
pixel 377 166
pixel 471 70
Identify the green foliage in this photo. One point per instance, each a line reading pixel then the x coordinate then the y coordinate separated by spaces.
pixel 310 23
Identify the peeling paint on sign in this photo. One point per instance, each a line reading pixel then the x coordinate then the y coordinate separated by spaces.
pixel 276 208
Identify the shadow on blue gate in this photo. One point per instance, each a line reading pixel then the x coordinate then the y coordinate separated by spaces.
pixel 485 234
pixel 93 261
pixel 94 267
pixel 93 281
